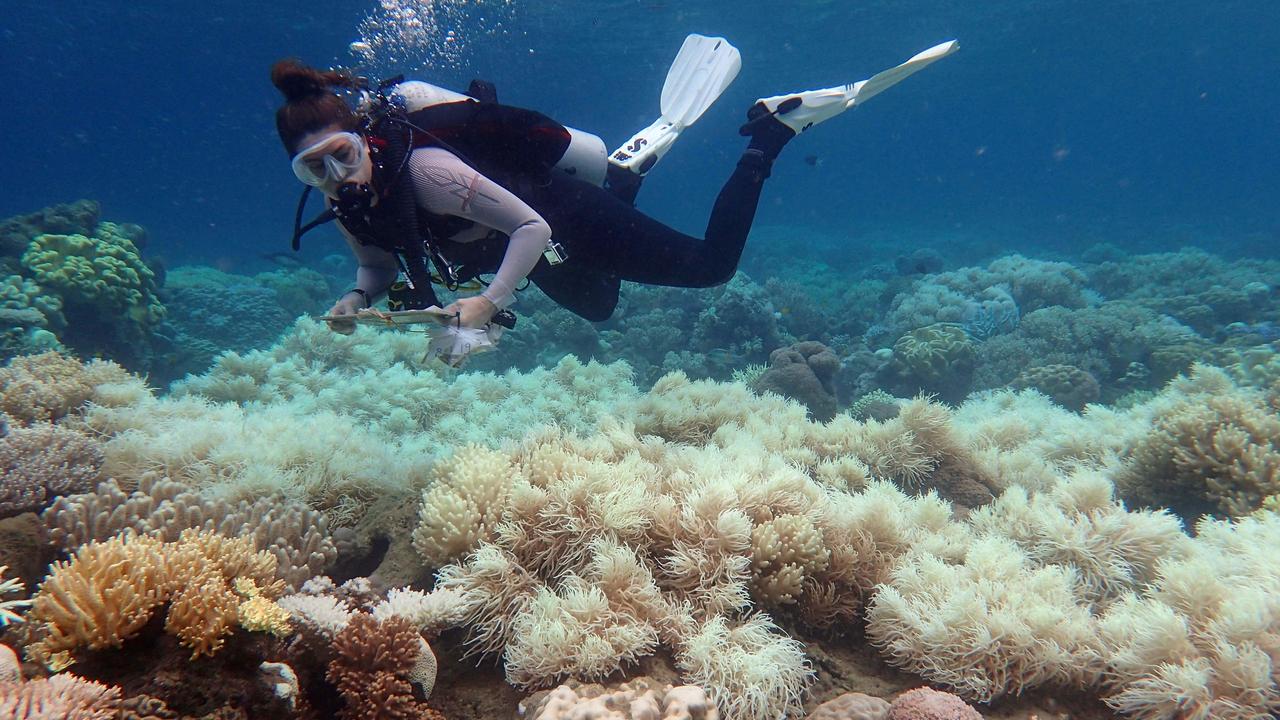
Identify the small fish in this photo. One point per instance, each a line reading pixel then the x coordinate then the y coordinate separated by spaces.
pixel 283 259
pixel 720 356
pixel 812 160
pixel 361 48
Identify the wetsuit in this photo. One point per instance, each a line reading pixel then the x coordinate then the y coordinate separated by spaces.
pixel 606 239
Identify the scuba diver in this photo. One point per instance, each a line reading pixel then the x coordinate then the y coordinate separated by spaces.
pixel 418 176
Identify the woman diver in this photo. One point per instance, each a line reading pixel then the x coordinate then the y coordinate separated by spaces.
pixel 420 174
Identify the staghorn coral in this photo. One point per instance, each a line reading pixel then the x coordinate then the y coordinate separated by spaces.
pixel 371 667
pixel 109 590
pixel 61 697
pixel 44 461
pixel 1216 453
pixel 296 536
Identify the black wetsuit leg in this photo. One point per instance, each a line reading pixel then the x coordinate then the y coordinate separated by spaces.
pixel 605 236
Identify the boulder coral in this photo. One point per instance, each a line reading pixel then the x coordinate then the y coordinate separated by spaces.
pixel 804 372
pixel 109 294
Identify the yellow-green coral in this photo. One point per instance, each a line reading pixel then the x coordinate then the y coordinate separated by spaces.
pixel 937 358
pixel 105 270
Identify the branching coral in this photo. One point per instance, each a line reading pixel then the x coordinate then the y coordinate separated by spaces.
pixel 1216 453
pixel 108 591
pixel 7 607
pixel 372 663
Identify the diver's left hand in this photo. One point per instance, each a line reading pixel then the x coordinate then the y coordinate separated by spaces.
pixel 475 312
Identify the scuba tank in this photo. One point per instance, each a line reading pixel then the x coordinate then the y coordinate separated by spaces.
pixel 585 158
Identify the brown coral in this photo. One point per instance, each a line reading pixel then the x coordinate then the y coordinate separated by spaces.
pixel 804 372
pixel 44 461
pixel 108 591
pixel 1068 385
pixel 371 667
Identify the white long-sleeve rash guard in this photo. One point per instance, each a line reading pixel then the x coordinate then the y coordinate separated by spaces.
pixel 444 185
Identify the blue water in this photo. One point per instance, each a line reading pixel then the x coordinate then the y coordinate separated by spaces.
pixel 1059 124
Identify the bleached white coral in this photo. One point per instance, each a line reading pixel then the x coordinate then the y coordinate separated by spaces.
pixel 992 626
pixel 429 612
pixel 7 607
pixel 1080 524
pixel 463 505
pixel 753 670
pixel 324 614
pixel 1203 642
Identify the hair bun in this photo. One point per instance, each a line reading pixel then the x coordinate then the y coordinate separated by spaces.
pixel 297 81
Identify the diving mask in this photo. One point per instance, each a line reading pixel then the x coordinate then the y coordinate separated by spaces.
pixel 330 161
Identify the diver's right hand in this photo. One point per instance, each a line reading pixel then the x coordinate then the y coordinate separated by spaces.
pixel 348 304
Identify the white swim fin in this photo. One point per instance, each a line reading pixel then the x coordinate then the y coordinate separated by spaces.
pixel 703 68
pixel 801 111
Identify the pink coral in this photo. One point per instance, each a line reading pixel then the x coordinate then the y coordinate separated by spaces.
pixel 929 704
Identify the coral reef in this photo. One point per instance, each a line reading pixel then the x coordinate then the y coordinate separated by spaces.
pixel 297 537
pixel 109 295
pixel 804 372
pixel 1214 452
pixel 108 591
pixel 50 387
pixel 937 358
pixel 42 462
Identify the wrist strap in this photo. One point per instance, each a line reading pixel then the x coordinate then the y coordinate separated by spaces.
pixel 368 300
